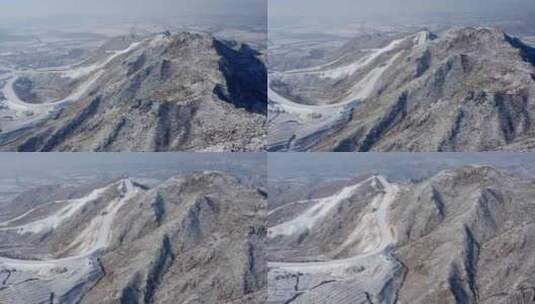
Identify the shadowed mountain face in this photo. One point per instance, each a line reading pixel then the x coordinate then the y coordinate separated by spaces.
pixel 465 89
pixel 461 236
pixel 183 92
pixel 191 239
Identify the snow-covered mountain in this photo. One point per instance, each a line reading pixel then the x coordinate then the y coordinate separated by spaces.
pixel 465 89
pixel 461 236
pixel 190 239
pixel 164 92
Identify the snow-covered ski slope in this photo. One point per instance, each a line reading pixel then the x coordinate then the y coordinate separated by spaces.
pixel 371 238
pixel 78 264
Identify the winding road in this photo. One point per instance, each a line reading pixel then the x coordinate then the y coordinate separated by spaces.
pixel 29 113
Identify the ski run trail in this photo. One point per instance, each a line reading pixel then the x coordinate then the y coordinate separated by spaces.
pixel 96 236
pixel 313 119
pixel 371 238
pixel 30 113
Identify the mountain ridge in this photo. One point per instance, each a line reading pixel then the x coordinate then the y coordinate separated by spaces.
pixel 128 243
pixel 466 89
pixel 451 235
pixel 161 93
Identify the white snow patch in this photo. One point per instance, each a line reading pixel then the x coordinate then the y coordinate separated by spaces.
pixel 365 87
pixel 9 222
pixel 421 38
pixel 28 113
pixel 80 71
pixel 315 214
pixel 350 69
pixel 54 220
pixel 98 233
pixel 96 236
pixel 158 40
pixel 86 70
pixel 374 231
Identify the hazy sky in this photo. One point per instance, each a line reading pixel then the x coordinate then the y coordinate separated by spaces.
pixel 41 164
pixel 131 8
pixel 393 165
pixel 363 8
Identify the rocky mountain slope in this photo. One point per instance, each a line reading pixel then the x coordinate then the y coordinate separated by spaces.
pixel 181 92
pixel 465 89
pixel 192 239
pixel 461 236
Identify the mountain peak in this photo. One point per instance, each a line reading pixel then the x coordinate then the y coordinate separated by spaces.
pixel 381 101
pixel 475 31
pixel 185 37
pixel 468 174
pixel 478 39
pixel 424 36
pixel 161 93
pixel 378 182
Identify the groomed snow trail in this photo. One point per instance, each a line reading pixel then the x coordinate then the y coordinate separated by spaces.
pixel 370 269
pixel 375 222
pixel 347 70
pixel 330 70
pixel 315 119
pixel 54 220
pixel 314 215
pixel 86 70
pixel 361 90
pixel 98 234
pixel 30 113
pixel 92 239
pixel 79 267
